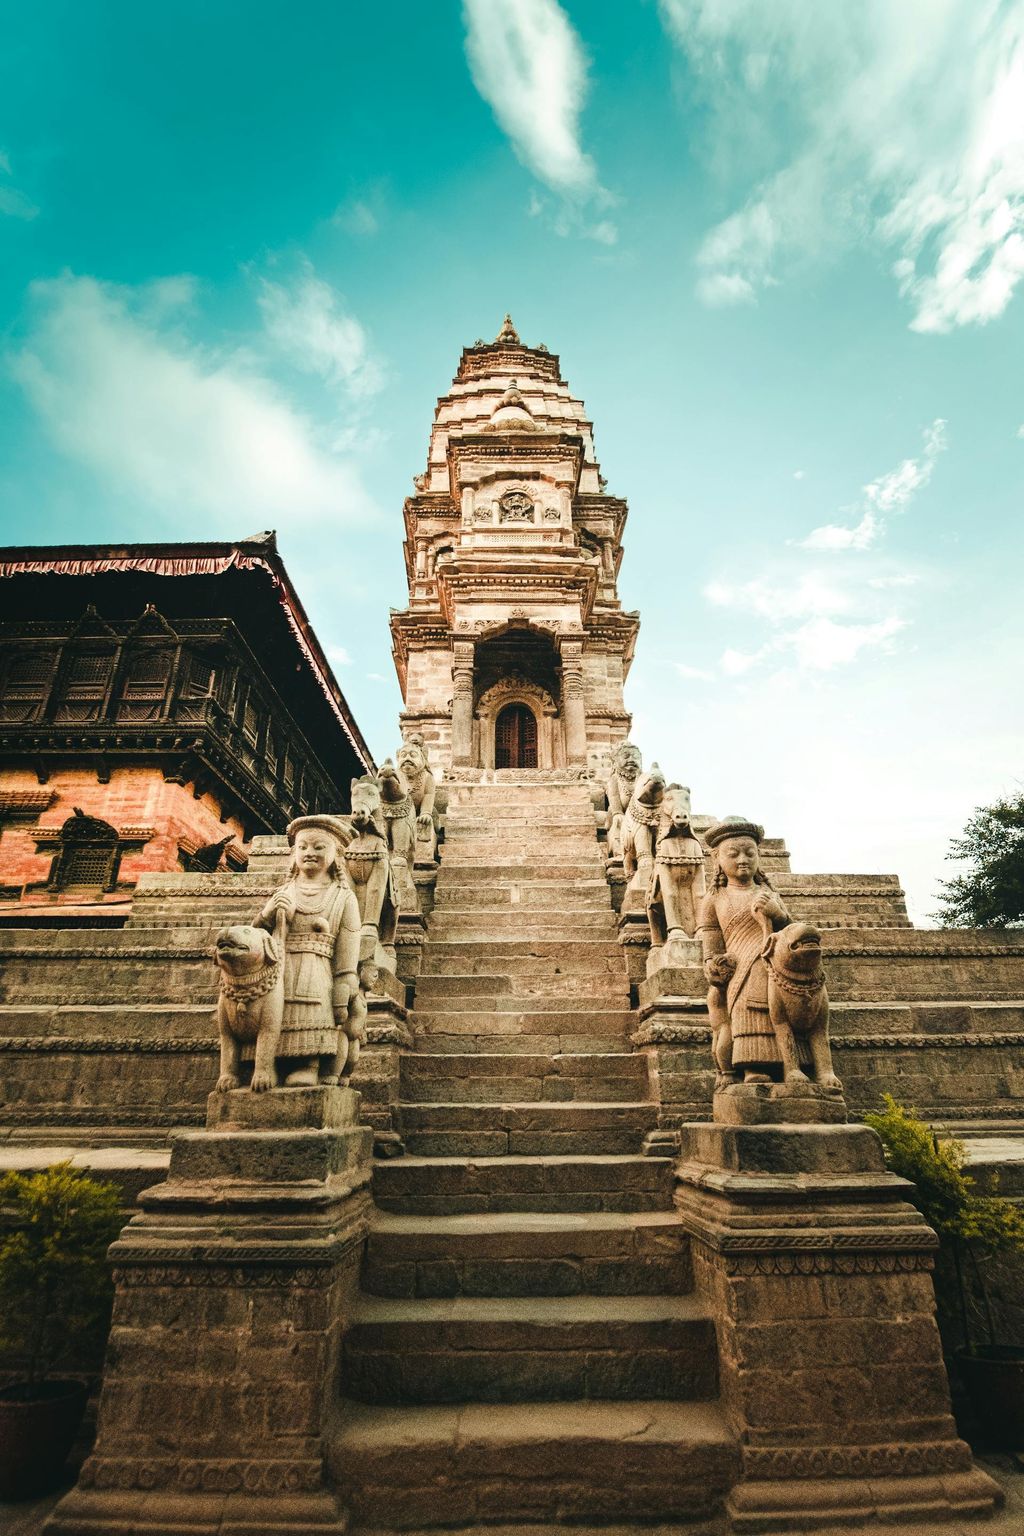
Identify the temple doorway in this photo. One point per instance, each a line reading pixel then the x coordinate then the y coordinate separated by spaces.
pixel 515 737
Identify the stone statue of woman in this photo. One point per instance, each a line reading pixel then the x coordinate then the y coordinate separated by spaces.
pixel 323 1008
pixel 737 914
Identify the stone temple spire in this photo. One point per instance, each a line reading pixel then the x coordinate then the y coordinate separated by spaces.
pixel 512 551
pixel 508 333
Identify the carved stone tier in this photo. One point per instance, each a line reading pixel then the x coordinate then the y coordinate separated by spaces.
pixel 818 1272
pixel 777 1104
pixel 377 1074
pixel 233 1286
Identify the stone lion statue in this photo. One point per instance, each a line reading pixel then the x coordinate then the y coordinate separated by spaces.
pixel 798 1004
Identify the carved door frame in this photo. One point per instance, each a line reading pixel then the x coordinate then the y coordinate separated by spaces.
pixel 517 690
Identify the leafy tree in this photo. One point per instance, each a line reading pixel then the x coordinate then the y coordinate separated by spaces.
pixel 55 1285
pixel 968 1225
pixel 991 893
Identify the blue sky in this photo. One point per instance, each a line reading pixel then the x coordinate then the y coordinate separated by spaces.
pixel 777 247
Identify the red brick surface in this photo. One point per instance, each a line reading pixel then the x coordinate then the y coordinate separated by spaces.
pixel 135 797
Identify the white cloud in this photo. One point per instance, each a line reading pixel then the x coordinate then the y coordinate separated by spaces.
pixel 905 579
pixel 735 663
pixel 528 65
pixel 357 217
pixel 779 599
pixel 338 656
pixel 901 125
pixel 13 202
pixel 723 288
pixel 799 474
pixel 818 645
pixel 693 674
pixel 821 644
pixel 308 322
pixel 123 391
pixel 890 493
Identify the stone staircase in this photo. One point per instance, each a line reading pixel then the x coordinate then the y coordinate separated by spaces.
pixel 527 1347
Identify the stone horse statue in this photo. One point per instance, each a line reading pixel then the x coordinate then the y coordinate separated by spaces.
pixel 368 865
pixel 677 885
pixel 639 828
pixel 399 815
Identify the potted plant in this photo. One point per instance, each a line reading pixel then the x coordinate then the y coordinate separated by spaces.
pixel 55 1298
pixel 972 1228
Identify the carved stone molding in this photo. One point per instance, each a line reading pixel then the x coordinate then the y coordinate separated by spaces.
pixel 185 1475
pixel 829 1461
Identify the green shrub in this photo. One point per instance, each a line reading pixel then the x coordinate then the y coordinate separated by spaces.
pixel 969 1225
pixel 55 1285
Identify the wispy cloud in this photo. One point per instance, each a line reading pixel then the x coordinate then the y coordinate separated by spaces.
pixel 357 217
pixel 122 389
pixel 901 125
pixel 307 320
pixel 819 622
pixel 13 201
pixel 890 493
pixel 528 65
pixel 693 674
pixel 780 598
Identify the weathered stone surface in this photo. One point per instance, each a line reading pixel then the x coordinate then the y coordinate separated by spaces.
pixel 283 1109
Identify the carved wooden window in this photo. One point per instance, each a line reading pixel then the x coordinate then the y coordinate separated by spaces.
pixel 88 855
pixel 250 720
pixel 26 685
pixel 145 683
pixel 84 686
pixel 198 680
pixel 515 738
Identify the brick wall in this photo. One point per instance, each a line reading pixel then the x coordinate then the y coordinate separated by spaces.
pixel 134 797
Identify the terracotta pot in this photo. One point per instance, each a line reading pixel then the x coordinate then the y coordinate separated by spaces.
pixel 36 1435
pixel 994 1378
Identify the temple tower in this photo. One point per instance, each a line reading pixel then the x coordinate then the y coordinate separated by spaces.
pixel 514 648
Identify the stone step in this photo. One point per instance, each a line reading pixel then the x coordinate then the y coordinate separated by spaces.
pixel 926 1018
pixel 485 993
pixel 516 1254
pixel 534 843
pixel 553 925
pixel 456 865
pixel 497 1130
pixel 521 1044
pixel 478 1078
pixel 421 1186
pixel 507 1464
pixel 500 946
pixel 529 895
pixel 523 1349
pixel 598 958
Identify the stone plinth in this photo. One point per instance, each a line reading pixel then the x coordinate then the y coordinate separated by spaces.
pixel 233 1287
pixel 286 1109
pixel 377 1072
pixel 777 1104
pixel 818 1272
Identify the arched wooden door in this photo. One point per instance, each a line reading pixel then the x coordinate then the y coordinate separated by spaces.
pixel 515 737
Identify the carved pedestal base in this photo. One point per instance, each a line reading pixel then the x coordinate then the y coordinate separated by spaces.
pixel 777 1104
pixel 233 1287
pixel 818 1274
pixel 412 930
pixel 675 1035
pixel 377 1072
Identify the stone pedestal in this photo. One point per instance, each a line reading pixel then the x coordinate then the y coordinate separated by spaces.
pixel 675 1036
pixel 377 1072
pixel 233 1287
pixel 818 1273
